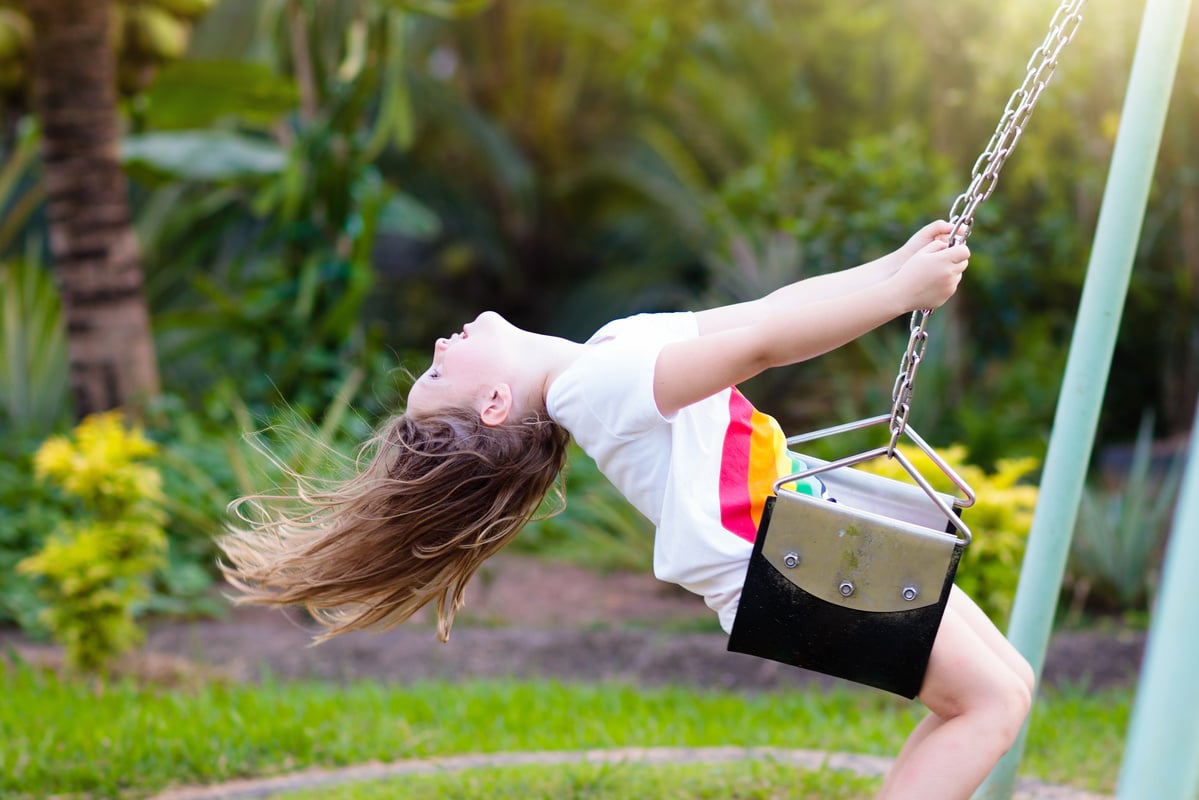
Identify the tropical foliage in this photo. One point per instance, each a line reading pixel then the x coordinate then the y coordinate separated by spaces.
pixel 33 360
pixel 322 188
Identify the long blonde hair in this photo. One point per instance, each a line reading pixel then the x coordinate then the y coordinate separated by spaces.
pixel 435 498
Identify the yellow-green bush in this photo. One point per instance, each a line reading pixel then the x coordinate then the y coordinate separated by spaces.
pixel 1000 521
pixel 94 571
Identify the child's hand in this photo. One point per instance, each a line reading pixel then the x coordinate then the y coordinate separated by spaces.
pixel 931 276
pixel 932 232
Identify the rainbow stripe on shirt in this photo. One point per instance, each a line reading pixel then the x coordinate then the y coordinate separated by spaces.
pixel 753 458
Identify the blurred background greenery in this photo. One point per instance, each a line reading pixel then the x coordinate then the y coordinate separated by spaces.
pixel 320 189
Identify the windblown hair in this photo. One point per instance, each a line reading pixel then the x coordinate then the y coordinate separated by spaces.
pixel 435 498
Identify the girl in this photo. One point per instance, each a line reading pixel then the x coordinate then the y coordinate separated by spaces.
pixel 650 398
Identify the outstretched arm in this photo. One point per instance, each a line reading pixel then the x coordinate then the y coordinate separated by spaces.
pixel 821 287
pixel 779 333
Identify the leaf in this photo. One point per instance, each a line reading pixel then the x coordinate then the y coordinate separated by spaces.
pixel 405 215
pixel 446 9
pixel 197 94
pixel 33 348
pixel 394 125
pixel 201 156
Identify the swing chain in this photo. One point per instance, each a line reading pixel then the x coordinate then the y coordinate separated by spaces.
pixel 983 178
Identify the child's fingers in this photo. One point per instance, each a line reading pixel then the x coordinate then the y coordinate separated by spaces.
pixel 955 254
pixel 936 230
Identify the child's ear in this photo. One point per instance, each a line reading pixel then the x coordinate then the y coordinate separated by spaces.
pixel 497 405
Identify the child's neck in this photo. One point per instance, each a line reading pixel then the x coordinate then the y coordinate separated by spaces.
pixel 547 358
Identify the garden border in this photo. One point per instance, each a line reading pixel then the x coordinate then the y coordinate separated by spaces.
pixel 1026 789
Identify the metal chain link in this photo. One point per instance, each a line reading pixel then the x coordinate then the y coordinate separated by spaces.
pixel 983 177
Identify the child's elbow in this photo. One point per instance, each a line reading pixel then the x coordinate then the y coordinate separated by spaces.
pixel 767 356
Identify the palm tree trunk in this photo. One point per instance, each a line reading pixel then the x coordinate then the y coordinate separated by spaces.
pixel 95 250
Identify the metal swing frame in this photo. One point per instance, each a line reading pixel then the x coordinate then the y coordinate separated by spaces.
pixel 856 588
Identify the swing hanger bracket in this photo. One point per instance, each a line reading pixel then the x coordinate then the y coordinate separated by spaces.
pixel 946 507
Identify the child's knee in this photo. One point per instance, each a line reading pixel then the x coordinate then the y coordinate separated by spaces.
pixel 1027 676
pixel 1001 703
pixel 1010 702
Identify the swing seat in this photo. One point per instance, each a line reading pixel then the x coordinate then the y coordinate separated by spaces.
pixel 853 586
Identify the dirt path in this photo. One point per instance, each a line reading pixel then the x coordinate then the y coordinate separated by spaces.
pixel 529 619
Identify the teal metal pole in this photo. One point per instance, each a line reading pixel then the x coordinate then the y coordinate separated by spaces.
pixel 1089 361
pixel 1161 759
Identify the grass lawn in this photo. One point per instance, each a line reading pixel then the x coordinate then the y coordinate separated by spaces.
pixel 122 740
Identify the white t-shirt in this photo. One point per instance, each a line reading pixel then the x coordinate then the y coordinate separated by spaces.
pixel 701 476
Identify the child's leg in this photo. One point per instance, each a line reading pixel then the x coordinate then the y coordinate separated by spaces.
pixel 978 689
pixel 986 629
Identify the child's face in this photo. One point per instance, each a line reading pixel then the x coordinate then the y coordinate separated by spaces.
pixel 466 366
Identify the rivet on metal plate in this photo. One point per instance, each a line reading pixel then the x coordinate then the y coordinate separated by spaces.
pixel 846 589
pixel 910 593
pixel 791 560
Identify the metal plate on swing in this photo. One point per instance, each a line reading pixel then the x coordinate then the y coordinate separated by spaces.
pixel 856 558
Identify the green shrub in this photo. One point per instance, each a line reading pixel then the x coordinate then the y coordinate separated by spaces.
pixel 96 569
pixel 598 528
pixel 198 481
pixel 196 458
pixel 1000 520
pixel 29 511
pixel 1121 530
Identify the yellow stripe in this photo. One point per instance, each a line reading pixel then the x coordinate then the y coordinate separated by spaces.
pixel 767 461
